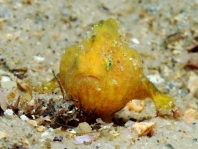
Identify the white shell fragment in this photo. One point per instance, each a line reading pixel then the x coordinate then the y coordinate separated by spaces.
pixel 143 128
pixel 135 40
pixel 39 58
pixel 46 135
pixel 84 139
pixel 8 113
pixel 156 79
pixel 24 118
pixel 5 79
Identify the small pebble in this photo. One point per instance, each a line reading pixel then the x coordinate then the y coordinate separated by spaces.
pixel 169 146
pixel 46 135
pixel 135 40
pixel 41 129
pixel 83 128
pixel 39 58
pixel 58 138
pixel 24 118
pixel 8 113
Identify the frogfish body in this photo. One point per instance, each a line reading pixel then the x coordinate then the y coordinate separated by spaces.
pixel 102 73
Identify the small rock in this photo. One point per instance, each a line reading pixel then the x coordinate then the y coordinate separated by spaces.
pixel 46 135
pixel 24 118
pixel 39 58
pixel 41 129
pixel 8 113
pixel 83 128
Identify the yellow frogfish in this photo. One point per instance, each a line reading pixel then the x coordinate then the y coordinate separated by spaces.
pixel 102 73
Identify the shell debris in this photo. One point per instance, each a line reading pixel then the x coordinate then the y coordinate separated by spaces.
pixel 84 139
pixel 143 128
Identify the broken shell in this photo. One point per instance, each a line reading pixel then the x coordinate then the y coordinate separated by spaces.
pixel 84 139
pixel 143 128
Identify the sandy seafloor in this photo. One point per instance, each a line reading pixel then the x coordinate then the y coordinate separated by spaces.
pixel 35 33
